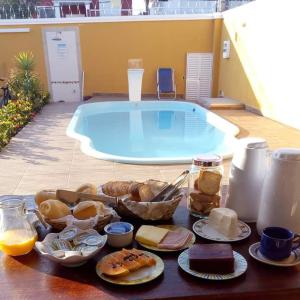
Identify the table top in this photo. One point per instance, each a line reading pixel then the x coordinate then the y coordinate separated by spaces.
pixel 34 277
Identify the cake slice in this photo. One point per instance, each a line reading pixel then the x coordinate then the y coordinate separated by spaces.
pixel 211 258
pixel 224 220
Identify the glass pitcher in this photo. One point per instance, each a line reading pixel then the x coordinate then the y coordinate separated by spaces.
pixel 17 235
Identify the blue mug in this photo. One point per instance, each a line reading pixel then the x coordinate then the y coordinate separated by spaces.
pixel 278 242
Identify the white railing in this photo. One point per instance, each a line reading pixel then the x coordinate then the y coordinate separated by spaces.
pixel 77 8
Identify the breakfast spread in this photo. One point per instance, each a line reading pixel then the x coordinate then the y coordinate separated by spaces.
pixel 73 246
pixel 122 262
pixel 211 258
pixel 224 220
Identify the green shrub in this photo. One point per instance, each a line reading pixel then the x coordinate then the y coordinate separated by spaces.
pixel 24 82
pixel 14 116
pixel 25 86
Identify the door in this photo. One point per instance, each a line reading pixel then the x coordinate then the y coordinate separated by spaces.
pixel 198 76
pixel 63 64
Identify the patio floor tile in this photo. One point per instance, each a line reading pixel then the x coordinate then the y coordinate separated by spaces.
pixel 8 183
pixel 30 184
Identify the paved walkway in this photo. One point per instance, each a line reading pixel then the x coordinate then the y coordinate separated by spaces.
pixel 41 156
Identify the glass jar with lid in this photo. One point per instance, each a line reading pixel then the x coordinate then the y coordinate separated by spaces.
pixel 205 184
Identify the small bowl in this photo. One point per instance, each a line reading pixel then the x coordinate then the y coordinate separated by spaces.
pixel 119 234
pixel 72 259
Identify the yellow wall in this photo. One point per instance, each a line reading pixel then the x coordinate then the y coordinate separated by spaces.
pixel 263 68
pixel 106 47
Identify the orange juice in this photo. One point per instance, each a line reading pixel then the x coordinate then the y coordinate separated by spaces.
pixel 17 242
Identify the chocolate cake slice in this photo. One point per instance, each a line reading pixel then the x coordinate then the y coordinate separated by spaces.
pixel 212 258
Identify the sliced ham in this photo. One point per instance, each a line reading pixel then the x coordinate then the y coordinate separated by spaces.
pixel 175 240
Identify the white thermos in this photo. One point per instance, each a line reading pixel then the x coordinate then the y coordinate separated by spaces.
pixel 248 169
pixel 280 197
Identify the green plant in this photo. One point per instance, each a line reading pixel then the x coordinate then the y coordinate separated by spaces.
pixel 24 82
pixel 14 116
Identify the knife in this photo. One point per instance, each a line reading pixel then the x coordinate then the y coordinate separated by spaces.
pixel 73 198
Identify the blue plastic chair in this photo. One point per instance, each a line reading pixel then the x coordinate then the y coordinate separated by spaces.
pixel 165 82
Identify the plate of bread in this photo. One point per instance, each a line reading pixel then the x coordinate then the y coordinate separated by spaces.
pixel 60 212
pixel 134 199
pixel 130 267
pixel 165 238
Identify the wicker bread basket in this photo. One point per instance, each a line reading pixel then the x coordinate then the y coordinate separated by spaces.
pixel 98 222
pixel 152 211
pixel 60 225
pixel 148 210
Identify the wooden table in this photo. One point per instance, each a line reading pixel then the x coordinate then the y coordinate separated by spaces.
pixel 34 277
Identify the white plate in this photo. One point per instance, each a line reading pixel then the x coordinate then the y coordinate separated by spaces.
pixel 140 276
pixel 174 228
pixel 240 267
pixel 70 261
pixel 292 260
pixel 202 229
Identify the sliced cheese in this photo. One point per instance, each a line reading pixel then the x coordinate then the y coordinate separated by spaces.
pixel 150 235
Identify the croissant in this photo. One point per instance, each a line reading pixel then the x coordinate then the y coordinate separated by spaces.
pixel 116 188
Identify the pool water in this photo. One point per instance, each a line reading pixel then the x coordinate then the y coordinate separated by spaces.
pixel 150 131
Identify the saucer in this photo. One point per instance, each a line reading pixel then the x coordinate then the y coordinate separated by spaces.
pixel 240 267
pixel 292 260
pixel 202 229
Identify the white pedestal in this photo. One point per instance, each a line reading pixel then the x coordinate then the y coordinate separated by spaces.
pixel 135 77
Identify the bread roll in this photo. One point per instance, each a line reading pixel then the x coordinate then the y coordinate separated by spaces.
pixel 87 188
pixel 54 209
pixel 134 191
pixel 87 209
pixel 146 193
pixel 116 188
pixel 44 195
pixel 209 182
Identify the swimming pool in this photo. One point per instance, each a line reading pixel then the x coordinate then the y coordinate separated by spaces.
pixel 150 132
